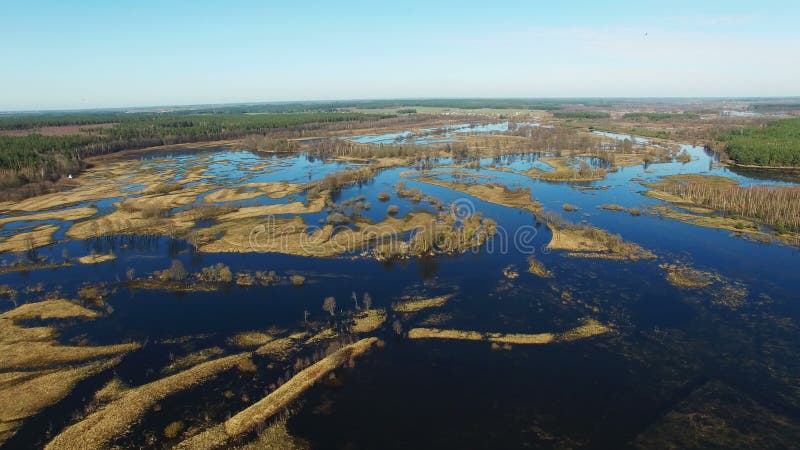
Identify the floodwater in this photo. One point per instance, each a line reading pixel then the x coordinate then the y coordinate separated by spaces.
pixel 610 391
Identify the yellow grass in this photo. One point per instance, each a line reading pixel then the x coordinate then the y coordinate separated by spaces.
pixel 590 242
pixel 193 359
pixel 589 328
pixel 278 189
pixel 289 236
pixel 688 277
pixel 39 236
pixel 49 309
pixel 96 259
pixel 98 429
pixel 26 399
pixel 251 339
pixel 313 206
pixel 64 214
pixel 281 348
pixel 174 199
pixel 492 193
pixel 414 304
pixel 79 194
pixel 254 416
pixel 564 171
pixel 368 321
pixel 29 355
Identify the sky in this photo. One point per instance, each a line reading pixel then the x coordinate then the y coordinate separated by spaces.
pixel 72 54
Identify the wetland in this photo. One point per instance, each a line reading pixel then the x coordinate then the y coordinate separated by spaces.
pixel 452 278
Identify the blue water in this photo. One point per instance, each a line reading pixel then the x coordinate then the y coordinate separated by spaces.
pixel 418 394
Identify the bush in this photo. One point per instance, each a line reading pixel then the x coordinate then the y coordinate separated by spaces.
pixel 392 210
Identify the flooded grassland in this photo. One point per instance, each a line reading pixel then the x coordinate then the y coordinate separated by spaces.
pixel 529 287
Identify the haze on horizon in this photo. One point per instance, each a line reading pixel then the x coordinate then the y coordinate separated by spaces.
pixel 92 54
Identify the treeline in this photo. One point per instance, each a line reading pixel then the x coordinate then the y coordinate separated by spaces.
pixel 37 158
pixel 774 144
pixel 660 116
pixel 581 115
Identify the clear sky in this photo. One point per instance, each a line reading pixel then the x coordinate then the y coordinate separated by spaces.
pixel 84 54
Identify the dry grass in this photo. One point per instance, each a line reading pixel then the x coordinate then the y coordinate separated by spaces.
pixel 81 193
pixel 97 430
pixel 251 339
pixel 278 189
pixel 49 309
pixel 32 355
pixel 537 268
pixel 684 276
pixel 492 193
pixel 315 205
pixel 612 207
pixel 96 259
pixel 564 172
pixel 64 214
pixel 25 399
pixel 368 321
pixel 276 437
pixel 414 304
pixel 259 413
pixel 588 329
pixel 281 348
pixel 589 242
pixel 193 359
pixel 39 236
pixel 290 236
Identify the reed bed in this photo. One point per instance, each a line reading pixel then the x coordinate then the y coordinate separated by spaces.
pixel 777 206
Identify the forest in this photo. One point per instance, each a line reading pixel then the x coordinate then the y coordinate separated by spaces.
pixel 581 115
pixel 774 144
pixel 35 158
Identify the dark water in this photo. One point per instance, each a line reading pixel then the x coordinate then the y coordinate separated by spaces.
pixel 601 392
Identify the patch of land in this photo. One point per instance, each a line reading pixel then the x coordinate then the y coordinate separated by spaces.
pixel 99 428
pixel 566 171
pixel 38 236
pixel 368 321
pixel 279 189
pixel 248 420
pixel 69 214
pixel 589 242
pixel 95 258
pixel 684 276
pixel 588 329
pixel 491 192
pixel 414 304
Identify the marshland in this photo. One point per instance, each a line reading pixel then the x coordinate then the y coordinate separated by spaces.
pixel 401 274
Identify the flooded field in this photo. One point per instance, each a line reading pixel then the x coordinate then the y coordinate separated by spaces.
pixel 213 297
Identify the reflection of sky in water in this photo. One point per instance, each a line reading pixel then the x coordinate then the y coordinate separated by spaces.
pixel 443 134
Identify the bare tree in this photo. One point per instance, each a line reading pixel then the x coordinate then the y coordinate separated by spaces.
pixel 329 306
pixel 367 301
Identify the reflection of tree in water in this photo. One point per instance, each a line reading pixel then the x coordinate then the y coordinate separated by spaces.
pixel 427 267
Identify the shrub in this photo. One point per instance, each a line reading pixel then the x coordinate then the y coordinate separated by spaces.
pixel 569 208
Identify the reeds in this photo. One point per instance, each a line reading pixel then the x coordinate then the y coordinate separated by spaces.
pixel 778 206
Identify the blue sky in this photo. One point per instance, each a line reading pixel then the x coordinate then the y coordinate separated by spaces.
pixel 71 54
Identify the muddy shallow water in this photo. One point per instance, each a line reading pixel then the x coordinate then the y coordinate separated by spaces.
pixel 670 345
